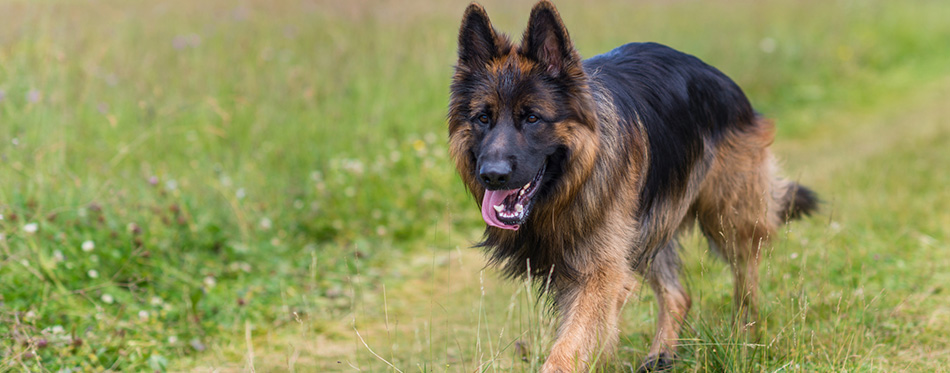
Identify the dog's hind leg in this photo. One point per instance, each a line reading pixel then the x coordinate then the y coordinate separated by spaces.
pixel 663 275
pixel 738 210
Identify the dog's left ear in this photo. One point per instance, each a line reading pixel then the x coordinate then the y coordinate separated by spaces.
pixel 546 40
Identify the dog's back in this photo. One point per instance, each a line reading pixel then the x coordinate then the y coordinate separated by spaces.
pixel 682 103
pixel 708 161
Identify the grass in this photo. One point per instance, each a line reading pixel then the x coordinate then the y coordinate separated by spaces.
pixel 239 186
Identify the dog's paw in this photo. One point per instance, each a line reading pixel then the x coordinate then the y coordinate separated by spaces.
pixel 656 363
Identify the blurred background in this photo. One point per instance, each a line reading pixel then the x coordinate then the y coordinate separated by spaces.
pixel 250 185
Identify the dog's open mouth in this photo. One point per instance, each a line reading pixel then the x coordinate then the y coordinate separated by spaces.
pixel 507 209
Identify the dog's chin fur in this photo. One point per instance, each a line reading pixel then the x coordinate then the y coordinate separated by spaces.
pixel 640 142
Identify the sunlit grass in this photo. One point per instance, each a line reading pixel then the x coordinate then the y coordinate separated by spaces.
pixel 234 185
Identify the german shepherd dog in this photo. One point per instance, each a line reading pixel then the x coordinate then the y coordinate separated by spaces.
pixel 586 171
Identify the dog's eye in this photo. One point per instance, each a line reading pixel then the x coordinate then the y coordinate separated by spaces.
pixel 532 119
pixel 483 118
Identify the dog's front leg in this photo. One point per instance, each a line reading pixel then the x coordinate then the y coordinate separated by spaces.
pixel 589 309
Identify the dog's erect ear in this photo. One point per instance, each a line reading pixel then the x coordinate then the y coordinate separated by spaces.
pixel 478 43
pixel 546 40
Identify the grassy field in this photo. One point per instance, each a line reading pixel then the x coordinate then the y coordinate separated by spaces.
pixel 265 186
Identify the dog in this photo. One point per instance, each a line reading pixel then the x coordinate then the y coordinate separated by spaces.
pixel 586 171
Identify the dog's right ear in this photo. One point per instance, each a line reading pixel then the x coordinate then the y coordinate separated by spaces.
pixel 478 43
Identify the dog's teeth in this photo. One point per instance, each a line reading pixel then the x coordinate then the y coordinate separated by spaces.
pixel 526 186
pixel 499 207
pixel 519 208
pixel 521 193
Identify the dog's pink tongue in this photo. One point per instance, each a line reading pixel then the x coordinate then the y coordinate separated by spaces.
pixel 492 198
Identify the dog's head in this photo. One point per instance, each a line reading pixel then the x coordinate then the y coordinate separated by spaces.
pixel 517 113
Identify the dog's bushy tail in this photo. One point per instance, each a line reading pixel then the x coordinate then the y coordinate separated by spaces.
pixel 799 201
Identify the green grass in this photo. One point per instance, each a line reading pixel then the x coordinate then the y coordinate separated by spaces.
pixel 261 181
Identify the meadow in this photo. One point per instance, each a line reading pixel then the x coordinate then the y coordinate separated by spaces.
pixel 265 186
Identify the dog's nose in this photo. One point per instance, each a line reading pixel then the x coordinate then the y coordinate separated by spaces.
pixel 495 174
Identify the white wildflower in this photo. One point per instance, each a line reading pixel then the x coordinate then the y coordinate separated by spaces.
pixel 107 298
pixel 93 273
pixel 88 245
pixel 210 282
pixel 767 45
pixel 31 228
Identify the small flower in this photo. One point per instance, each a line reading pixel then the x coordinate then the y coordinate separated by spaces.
pixel 107 298
pixel 767 45
pixel 793 256
pixel 31 228
pixel 143 315
pixel 34 96
pixel 58 256
pixel 172 339
pixel 353 165
pixel 57 329
pixel 240 194
pixel 419 146
pixel 197 345
pixel 153 180
pixel 266 223
pixel 210 281
pixel 88 246
pixel 93 273
pixel 186 41
pixel 395 156
pixel 171 184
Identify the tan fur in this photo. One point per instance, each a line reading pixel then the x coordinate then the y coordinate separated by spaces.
pixel 737 208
